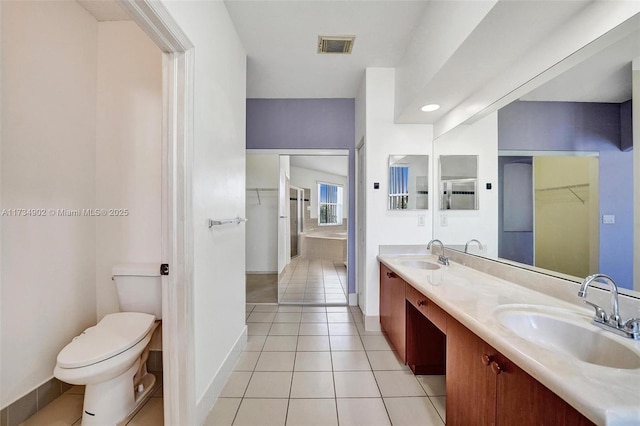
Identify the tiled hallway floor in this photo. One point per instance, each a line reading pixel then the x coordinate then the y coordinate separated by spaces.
pixel 307 365
pixel 314 281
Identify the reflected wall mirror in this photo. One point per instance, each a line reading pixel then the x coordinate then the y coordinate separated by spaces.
pixel 458 182
pixel 408 182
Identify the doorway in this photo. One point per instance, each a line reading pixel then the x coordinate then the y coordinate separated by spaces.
pixel 316 257
pixel 295 235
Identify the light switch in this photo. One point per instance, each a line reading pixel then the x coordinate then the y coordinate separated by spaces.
pixel 608 218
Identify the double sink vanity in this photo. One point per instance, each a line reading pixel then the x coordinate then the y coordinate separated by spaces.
pixel 518 347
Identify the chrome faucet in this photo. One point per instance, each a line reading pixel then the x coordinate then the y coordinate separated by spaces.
pixel 473 240
pixel 442 258
pixel 613 322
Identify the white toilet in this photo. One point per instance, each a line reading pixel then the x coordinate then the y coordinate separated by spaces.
pixel 110 358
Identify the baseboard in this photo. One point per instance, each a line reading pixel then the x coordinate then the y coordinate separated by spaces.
pixel 353 299
pixel 27 405
pixel 208 400
pixel 372 322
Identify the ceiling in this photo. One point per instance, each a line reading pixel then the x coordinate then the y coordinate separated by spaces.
pixel 281 37
pixel 443 51
pixel 604 77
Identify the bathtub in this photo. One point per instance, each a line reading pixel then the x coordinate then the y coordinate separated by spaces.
pixel 324 244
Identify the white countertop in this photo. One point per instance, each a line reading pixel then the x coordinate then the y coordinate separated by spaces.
pixel 607 396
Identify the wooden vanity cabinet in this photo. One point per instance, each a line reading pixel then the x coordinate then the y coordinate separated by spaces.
pixel 392 309
pixel 485 388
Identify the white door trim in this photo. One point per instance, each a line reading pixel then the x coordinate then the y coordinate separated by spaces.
pixel 177 220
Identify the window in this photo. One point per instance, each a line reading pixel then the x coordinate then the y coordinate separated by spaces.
pixel 329 204
pixel 398 187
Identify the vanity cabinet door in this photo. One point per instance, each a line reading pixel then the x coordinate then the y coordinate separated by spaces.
pixel 522 400
pixel 392 309
pixel 471 383
pixel 484 387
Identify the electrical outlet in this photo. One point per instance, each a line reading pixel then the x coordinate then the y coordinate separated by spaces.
pixel 444 220
pixel 422 220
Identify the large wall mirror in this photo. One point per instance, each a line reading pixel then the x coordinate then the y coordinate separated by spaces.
pixel 408 182
pixel 565 166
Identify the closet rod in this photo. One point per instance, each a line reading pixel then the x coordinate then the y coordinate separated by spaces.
pixel 570 188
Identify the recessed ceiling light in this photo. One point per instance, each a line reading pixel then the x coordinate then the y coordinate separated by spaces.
pixel 430 107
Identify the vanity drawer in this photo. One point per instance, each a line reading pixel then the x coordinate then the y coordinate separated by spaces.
pixel 429 309
pixel 437 316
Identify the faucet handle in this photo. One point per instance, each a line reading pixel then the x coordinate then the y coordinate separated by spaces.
pixel 633 325
pixel 601 315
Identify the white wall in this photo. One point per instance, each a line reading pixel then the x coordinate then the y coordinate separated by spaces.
pixel 481 139
pixel 128 153
pixel 384 138
pixel 307 178
pixel 218 191
pixel 48 161
pixel 262 228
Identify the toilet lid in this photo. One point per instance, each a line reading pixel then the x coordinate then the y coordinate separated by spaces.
pixel 114 334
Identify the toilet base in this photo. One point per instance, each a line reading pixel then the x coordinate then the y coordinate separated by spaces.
pixel 111 402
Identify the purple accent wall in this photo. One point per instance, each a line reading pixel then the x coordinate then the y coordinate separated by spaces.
pixel 308 124
pixel 574 126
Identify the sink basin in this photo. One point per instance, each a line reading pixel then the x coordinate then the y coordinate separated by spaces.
pixel 419 264
pixel 571 334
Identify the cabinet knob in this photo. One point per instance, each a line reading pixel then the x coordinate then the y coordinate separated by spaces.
pixel 486 359
pixel 422 302
pixel 391 275
pixel 495 367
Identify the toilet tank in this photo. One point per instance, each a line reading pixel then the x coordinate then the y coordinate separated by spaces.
pixel 139 287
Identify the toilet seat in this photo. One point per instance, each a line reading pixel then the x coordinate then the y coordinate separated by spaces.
pixel 114 334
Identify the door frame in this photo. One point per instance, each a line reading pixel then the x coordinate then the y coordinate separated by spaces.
pixel 177 221
pixel 299 214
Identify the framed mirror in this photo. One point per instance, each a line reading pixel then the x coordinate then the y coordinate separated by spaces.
pixel 458 182
pixel 408 182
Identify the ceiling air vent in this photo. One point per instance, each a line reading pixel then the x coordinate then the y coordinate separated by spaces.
pixel 335 44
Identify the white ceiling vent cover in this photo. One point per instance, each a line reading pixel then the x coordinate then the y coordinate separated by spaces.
pixel 335 44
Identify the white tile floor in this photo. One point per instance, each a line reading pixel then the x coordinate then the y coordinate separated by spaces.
pixel 314 281
pixel 303 365
pixel 309 365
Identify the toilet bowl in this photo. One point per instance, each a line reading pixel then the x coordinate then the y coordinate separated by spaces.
pixel 110 357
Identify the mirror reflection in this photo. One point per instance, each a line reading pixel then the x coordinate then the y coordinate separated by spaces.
pixel 408 182
pixel 549 207
pixel 458 182
pixel 564 171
